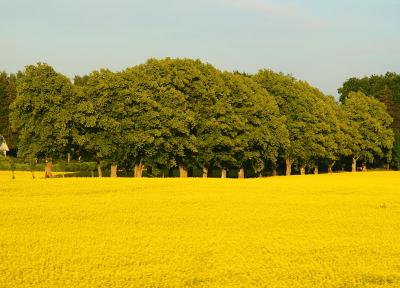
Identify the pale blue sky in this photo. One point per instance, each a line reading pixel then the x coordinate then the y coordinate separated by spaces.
pixel 323 42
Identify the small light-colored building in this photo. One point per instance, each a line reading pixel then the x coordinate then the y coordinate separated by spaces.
pixel 3 146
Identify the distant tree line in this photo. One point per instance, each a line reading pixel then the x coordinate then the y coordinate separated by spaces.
pixel 184 114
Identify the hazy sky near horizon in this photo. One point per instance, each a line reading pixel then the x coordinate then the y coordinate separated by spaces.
pixel 322 42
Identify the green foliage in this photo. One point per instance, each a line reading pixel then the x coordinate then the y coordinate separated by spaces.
pixel 171 112
pixel 160 120
pixel 385 88
pixel 97 118
pixel 368 126
pixel 7 96
pixel 81 80
pixel 33 165
pixel 311 118
pixel 183 111
pixel 41 113
pixel 19 164
pixel 255 129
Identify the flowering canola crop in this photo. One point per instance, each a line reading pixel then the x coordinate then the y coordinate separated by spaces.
pixel 339 230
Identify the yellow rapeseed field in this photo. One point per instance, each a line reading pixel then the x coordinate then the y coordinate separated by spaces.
pixel 340 230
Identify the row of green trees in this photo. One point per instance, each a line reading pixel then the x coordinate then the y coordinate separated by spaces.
pixel 184 113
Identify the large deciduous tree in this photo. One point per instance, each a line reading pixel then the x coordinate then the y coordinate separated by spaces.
pixel 41 114
pixel 143 124
pixel 369 127
pixel 98 118
pixel 162 83
pixel 255 130
pixel 310 119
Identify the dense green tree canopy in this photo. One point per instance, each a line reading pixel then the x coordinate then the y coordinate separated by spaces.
pixel 369 126
pixel 41 113
pixel 165 82
pixel 184 113
pixel 385 88
pixel 257 129
pixel 311 119
pixel 98 116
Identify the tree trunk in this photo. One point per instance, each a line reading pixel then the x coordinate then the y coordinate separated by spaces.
pixel 353 165
pixel 99 172
pixel 114 172
pixel 330 166
pixel 183 171
pixel 274 172
pixel 302 169
pixel 68 158
pixel 288 166
pixel 223 173
pixel 364 167
pixel 138 170
pixel 48 170
pixel 205 172
pixel 241 173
